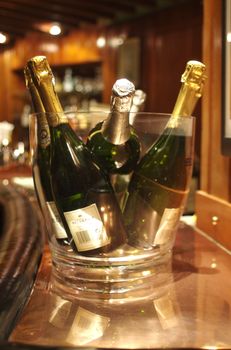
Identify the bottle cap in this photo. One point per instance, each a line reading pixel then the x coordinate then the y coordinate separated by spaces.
pixel 40 69
pixel 122 94
pixel 123 87
pixel 194 75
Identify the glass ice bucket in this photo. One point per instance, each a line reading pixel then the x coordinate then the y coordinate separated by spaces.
pixel 137 267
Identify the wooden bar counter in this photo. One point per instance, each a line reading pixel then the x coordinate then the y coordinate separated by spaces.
pixel 190 309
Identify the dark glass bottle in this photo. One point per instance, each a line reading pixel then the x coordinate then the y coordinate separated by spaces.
pixel 159 185
pixel 88 206
pixel 114 145
pixel 41 163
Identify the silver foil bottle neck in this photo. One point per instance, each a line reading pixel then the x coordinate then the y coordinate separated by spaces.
pixel 116 128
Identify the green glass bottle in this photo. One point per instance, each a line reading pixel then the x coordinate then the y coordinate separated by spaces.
pixel 114 145
pixel 88 206
pixel 41 163
pixel 159 185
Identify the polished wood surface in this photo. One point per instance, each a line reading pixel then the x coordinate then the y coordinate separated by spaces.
pixel 190 309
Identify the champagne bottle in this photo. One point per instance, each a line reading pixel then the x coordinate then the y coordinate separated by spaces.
pixel 137 104
pixel 88 206
pixel 41 163
pixel 159 185
pixel 114 145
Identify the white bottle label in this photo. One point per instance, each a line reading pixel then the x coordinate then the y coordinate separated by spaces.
pixel 87 326
pixel 56 222
pixel 168 225
pixel 60 310
pixel 87 228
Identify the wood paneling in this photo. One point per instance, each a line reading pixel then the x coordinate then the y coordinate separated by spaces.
pixel 169 38
pixel 77 47
pixel 213 217
pixel 214 167
pixel 214 197
pixel 166 45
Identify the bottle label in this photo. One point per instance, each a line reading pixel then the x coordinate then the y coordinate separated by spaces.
pixel 44 139
pixel 165 309
pixel 87 326
pixel 56 222
pixel 87 228
pixel 168 225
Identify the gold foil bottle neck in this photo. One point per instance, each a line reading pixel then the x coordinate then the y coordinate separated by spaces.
pixel 44 81
pixel 193 80
pixel 36 100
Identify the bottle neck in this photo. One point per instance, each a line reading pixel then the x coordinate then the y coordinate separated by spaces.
pixel 116 128
pixel 36 100
pixel 186 101
pixel 52 105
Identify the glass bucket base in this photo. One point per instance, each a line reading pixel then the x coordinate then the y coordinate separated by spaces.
pixel 128 273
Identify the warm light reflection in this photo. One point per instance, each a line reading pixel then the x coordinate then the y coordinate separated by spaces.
pixel 101 42
pixel 48 27
pixel 117 41
pixel 3 38
pixel 55 29
pixel 49 47
pixel 5 142
pixel 228 37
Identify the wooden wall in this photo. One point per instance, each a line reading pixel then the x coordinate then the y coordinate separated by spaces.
pixel 213 206
pixel 168 39
pixel 77 47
